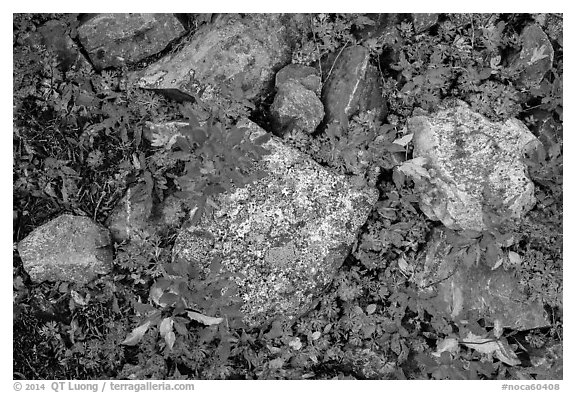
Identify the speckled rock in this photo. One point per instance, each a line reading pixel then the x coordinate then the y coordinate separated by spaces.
pixel 477 291
pixel 233 52
pixel 118 39
pixel 306 76
pixel 296 107
pixel 68 248
pixel 286 234
pixel 353 86
pixel 424 21
pixel 536 57
pixel 476 172
pixel 138 215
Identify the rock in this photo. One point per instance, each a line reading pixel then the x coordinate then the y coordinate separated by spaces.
pixel 139 215
pixel 113 40
pixel 353 86
pixel 296 107
pixel 384 27
pixel 68 248
pixel 536 56
pixel 552 25
pixel 477 175
pixel 55 38
pixel 469 293
pixel 306 76
pixel 286 234
pixel 233 53
pixel 423 22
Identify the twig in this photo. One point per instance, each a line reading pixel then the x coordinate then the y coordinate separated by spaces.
pixel 316 43
pixel 336 59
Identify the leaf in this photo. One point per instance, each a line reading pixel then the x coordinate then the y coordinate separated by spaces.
pixel 404 140
pixel 136 335
pixel 538 54
pixel 447 345
pixel 514 258
pixel 78 299
pixel 206 320
pixel 414 168
pixel 370 309
pixel 166 326
pixel 276 363
pixel 170 339
pixel 498 348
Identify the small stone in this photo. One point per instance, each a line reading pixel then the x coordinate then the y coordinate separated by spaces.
pixel 306 76
pixel 68 248
pixel 113 40
pixel 423 22
pixel 296 107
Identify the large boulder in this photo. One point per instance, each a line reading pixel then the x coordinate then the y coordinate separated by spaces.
pixel 354 86
pixel 68 248
pixel 113 40
pixel 467 291
pixel 477 175
pixel 234 53
pixel 283 237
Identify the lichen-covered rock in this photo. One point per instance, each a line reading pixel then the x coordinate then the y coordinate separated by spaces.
pixel 476 291
pixel 424 21
pixel 139 215
pixel 476 168
pixel 234 51
pixel 68 248
pixel 119 39
pixel 286 234
pixel 353 86
pixel 306 76
pixel 536 57
pixel 296 107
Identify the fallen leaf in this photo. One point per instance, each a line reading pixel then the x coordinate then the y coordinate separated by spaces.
pixel 448 344
pixel 404 140
pixel 414 168
pixel 204 319
pixel 136 335
pixel 514 258
pixel 498 348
